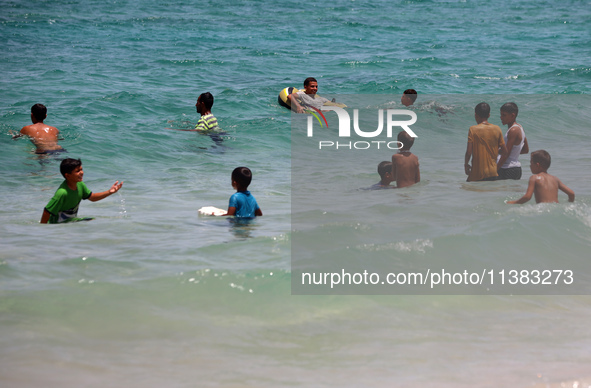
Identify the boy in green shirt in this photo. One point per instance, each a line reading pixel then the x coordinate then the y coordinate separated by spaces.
pixel 64 204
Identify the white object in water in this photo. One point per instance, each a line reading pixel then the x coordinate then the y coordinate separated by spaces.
pixel 211 211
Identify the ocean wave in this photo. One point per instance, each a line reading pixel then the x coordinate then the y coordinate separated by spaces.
pixel 419 245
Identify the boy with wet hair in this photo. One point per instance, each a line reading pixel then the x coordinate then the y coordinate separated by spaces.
pixel 409 96
pixel 207 123
pixel 63 206
pixel 385 171
pixel 43 136
pixel 405 165
pixel 543 185
pixel 242 204
pixel 515 141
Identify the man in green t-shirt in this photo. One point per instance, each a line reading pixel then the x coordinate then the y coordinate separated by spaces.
pixel 64 204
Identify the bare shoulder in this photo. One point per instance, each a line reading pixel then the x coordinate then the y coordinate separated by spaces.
pixel 545 175
pixel 403 155
pixel 554 179
pixel 27 129
pixel 406 158
pixel 49 128
pixel 515 128
pixel 40 129
pixel 545 179
pixel 514 131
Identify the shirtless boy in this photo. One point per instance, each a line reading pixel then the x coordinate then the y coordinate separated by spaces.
pixel 43 136
pixel 543 185
pixel 405 165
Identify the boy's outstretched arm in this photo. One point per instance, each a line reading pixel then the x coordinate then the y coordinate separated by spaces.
pixel 98 196
pixel 294 102
pixel 530 191
pixel 565 189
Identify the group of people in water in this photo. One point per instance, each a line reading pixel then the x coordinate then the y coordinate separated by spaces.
pixel 63 206
pixel 495 156
pixel 489 156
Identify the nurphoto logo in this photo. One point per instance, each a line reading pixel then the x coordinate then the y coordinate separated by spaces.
pixel 344 130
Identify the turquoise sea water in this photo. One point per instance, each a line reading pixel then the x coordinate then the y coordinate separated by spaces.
pixel 150 294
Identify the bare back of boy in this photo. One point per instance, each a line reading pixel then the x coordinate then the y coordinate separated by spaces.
pixel 405 169
pixel 546 187
pixel 43 136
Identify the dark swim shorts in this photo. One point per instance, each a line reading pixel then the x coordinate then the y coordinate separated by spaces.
pixel 510 173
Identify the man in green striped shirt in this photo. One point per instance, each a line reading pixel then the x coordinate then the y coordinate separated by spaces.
pixel 207 123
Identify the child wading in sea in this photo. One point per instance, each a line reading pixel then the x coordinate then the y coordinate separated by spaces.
pixel 242 204
pixel 405 164
pixel 543 185
pixel 64 204
pixel 385 171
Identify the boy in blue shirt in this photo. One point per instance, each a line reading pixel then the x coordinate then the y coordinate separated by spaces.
pixel 64 204
pixel 242 204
